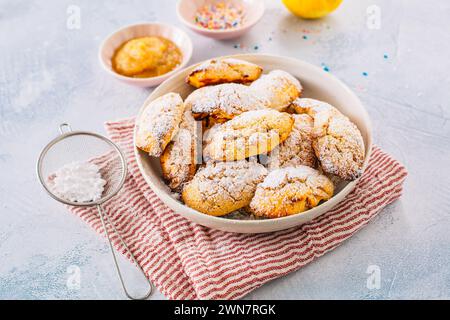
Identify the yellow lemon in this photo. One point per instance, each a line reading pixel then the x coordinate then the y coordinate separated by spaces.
pixel 311 9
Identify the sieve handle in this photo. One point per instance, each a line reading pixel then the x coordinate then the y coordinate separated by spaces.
pixel 102 218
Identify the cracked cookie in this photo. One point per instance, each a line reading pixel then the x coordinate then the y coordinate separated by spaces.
pixel 250 134
pixel 278 88
pixel 223 102
pixel 227 70
pixel 207 137
pixel 178 161
pixel 159 123
pixel 337 141
pixel 297 149
pixel 223 187
pixel 289 191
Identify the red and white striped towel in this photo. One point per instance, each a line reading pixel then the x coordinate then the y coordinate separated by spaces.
pixel 188 261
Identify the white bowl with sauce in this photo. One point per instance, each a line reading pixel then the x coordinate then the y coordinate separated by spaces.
pixel 115 40
pixel 253 12
pixel 317 84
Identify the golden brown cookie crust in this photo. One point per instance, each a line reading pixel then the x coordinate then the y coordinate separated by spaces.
pixel 159 123
pixel 206 140
pixel 289 191
pixel 217 71
pixel 338 143
pixel 250 134
pixel 278 88
pixel 223 187
pixel 178 161
pixel 297 149
pixel 223 102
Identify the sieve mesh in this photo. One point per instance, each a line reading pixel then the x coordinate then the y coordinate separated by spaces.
pixel 83 147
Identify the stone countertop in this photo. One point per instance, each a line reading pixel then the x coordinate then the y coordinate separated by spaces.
pixel 399 68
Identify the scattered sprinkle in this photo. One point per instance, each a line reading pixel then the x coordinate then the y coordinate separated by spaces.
pixel 220 16
pixel 386 56
pixel 365 74
pixel 256 47
pixel 325 67
pixel 305 37
pixel 310 31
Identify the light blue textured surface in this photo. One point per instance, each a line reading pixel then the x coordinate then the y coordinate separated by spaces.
pixel 50 74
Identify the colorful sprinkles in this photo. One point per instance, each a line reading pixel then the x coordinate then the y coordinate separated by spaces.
pixel 220 16
pixel 325 67
pixel 247 47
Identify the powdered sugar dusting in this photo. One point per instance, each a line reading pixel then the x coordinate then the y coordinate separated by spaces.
pixel 290 191
pixel 338 143
pixel 280 177
pixel 178 160
pixel 222 64
pixel 250 116
pixel 297 149
pixel 220 188
pixel 207 138
pixel 226 70
pixel 251 133
pixel 277 87
pixel 313 107
pixel 159 123
pixel 230 177
pixel 162 111
pixel 78 182
pixel 228 98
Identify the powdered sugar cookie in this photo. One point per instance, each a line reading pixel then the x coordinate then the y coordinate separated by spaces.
pixel 207 138
pixel 297 149
pixel 223 187
pixel 227 70
pixel 289 191
pixel 337 141
pixel 277 87
pixel 159 123
pixel 249 134
pixel 178 161
pixel 223 101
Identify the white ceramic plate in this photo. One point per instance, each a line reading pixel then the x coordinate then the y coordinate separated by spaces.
pixel 318 84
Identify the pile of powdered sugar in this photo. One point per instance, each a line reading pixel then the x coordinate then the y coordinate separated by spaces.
pixel 78 182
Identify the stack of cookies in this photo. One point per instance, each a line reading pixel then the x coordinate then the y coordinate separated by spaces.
pixel 246 141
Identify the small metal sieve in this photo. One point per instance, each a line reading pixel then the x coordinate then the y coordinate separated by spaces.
pixel 72 146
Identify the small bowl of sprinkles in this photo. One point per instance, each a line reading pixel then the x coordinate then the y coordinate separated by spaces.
pixel 220 19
